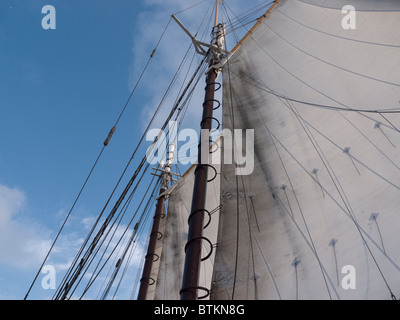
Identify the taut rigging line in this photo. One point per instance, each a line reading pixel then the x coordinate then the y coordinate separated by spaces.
pixel 105 144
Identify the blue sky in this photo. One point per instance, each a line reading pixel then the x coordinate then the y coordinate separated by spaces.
pixel 60 93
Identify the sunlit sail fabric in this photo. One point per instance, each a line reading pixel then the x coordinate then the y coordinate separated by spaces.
pixel 169 279
pixel 319 217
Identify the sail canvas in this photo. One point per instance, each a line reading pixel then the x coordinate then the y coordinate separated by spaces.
pixel 322 202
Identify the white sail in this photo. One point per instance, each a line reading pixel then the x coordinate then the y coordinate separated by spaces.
pixel 319 216
pixel 169 279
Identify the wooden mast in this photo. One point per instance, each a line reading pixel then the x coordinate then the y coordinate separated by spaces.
pixel 159 214
pixel 193 248
pixel 216 13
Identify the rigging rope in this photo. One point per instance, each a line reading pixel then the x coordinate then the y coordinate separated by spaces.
pixel 346 108
pixel 347 211
pixel 101 231
pixel 93 277
pixel 347 205
pixel 265 88
pixel 131 240
pixel 302 215
pixel 100 234
pixel 106 142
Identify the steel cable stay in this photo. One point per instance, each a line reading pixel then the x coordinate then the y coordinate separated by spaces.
pixel 191 91
pixel 111 267
pixel 120 217
pixel 107 221
pixel 250 12
pixel 100 231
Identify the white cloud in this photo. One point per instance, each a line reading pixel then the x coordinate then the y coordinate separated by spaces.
pixel 23 243
pixel 11 201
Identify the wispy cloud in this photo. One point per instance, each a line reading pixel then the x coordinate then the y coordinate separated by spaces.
pixel 23 242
